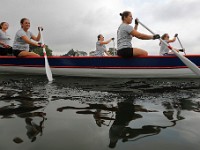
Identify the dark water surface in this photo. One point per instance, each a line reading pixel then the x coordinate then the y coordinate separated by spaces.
pixel 98 114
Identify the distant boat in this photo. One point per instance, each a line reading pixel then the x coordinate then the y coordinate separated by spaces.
pixel 104 67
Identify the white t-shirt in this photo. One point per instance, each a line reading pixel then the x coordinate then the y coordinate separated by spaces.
pixel 19 43
pixel 5 38
pixel 163 48
pixel 100 49
pixel 124 37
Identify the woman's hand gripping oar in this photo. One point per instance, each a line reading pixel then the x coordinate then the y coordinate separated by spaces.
pixel 47 67
pixel 185 60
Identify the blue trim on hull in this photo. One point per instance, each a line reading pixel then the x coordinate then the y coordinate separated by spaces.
pixel 101 62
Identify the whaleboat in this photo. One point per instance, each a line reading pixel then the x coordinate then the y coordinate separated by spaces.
pixel 103 67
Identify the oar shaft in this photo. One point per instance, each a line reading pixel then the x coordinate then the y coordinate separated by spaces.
pixel 146 27
pixel 47 67
pixel 114 50
pixel 41 36
pixel 181 44
pixel 154 34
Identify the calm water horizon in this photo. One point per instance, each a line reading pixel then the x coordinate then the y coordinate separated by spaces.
pixel 96 113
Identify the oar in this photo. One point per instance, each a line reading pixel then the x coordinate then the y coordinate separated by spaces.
pixel 181 44
pixel 47 68
pixel 114 50
pixel 185 60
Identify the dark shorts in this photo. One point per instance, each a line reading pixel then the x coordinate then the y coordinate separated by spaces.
pixel 5 51
pixel 16 52
pixel 125 52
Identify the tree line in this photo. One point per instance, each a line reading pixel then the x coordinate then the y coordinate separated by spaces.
pixel 72 52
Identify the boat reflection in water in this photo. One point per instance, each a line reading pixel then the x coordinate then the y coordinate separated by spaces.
pixel 33 128
pixel 22 103
pixel 126 112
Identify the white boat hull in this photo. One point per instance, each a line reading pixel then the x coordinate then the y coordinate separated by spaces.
pixel 105 73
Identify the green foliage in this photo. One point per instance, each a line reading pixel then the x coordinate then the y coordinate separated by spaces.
pixel 72 52
pixel 39 50
pixel 112 51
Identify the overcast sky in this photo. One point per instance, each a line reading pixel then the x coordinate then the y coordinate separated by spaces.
pixel 76 23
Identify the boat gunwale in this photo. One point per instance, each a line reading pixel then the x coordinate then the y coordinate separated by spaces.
pixel 91 57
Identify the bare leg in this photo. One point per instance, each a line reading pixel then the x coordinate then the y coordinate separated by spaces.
pixel 139 52
pixel 25 53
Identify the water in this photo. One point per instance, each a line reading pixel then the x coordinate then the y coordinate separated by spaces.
pixel 100 114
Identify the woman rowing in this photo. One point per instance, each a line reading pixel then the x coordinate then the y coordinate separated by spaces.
pixel 124 36
pixel 23 39
pixel 101 46
pixel 164 50
pixel 5 48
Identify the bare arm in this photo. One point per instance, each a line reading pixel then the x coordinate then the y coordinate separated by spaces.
pixel 172 40
pixel 27 40
pixel 141 35
pixel 105 42
pixel 36 38
pixel 2 43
